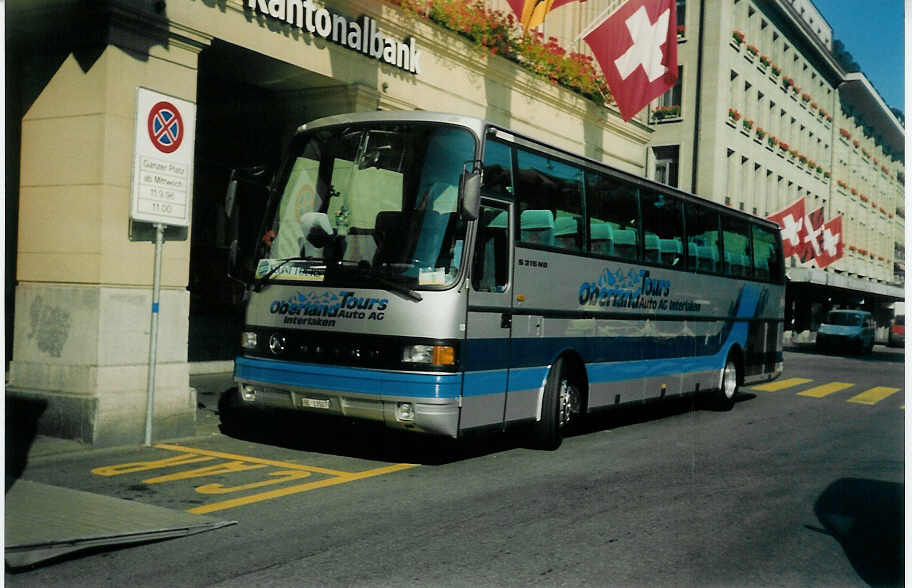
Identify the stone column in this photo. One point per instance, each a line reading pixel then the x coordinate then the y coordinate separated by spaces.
pixel 84 291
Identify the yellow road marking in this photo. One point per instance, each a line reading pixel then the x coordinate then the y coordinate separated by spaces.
pixel 240 463
pixel 825 389
pixel 292 471
pixel 214 470
pixel 874 395
pixel 278 478
pixel 781 384
pixel 142 466
pixel 235 502
pixel 232 456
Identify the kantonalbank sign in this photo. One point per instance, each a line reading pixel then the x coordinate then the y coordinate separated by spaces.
pixel 358 35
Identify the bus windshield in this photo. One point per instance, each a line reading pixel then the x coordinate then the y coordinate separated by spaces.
pixel 370 202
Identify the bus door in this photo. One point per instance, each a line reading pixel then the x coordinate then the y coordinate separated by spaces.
pixel 486 359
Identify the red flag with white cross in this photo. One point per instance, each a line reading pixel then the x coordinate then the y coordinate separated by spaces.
pixel 831 243
pixel 791 220
pixel 637 49
pixel 813 223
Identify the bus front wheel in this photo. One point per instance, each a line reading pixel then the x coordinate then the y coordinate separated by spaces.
pixel 560 407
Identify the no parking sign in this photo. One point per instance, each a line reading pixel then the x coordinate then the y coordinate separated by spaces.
pixel 163 159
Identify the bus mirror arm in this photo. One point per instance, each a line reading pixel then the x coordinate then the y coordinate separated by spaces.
pixel 230 194
pixel 470 189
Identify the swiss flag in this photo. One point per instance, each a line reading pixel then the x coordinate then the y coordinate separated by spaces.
pixel 791 220
pixel 637 49
pixel 830 242
pixel 810 248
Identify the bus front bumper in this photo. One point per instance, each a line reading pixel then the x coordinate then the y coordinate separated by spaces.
pixel 414 401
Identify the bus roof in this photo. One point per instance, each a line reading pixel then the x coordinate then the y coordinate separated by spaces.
pixel 479 126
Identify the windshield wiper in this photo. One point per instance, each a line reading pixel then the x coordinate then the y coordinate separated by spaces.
pixel 364 269
pixel 259 283
pixel 398 288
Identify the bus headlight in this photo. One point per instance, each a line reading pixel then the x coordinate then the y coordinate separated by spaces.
pixel 429 354
pixel 248 340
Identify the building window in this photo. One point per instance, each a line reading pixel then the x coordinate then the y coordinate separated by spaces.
pixel 680 11
pixel 666 170
pixel 669 103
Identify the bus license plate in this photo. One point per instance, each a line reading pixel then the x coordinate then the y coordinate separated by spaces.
pixel 314 402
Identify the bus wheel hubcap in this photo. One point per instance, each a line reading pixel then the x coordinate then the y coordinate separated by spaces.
pixel 569 402
pixel 729 380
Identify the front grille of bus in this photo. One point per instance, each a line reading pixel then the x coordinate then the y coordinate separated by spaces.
pixel 344 349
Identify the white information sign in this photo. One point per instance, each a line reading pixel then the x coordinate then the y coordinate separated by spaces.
pixel 163 159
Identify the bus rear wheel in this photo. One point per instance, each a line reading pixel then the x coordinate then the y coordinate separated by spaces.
pixel 561 410
pixel 728 385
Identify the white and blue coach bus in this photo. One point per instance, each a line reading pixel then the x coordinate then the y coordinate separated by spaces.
pixel 441 274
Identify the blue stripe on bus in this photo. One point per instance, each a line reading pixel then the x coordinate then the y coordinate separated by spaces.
pixel 348 379
pixel 485 382
pixel 490 354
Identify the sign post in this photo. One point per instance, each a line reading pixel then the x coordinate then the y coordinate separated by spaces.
pixel 162 180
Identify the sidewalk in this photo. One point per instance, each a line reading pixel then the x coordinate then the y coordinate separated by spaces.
pixel 209 386
pixel 46 522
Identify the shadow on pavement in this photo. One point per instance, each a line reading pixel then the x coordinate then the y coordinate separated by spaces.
pixel 22 416
pixel 866 517
pixel 342 436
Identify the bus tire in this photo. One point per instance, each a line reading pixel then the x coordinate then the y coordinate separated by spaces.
pixel 728 385
pixel 560 407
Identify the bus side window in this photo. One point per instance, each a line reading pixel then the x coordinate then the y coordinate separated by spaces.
pixel 550 194
pixel 702 239
pixel 498 166
pixel 767 265
pixel 490 261
pixel 613 213
pixel 737 246
pixel 662 229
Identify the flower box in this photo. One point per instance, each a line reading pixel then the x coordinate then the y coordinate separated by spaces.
pixel 667 112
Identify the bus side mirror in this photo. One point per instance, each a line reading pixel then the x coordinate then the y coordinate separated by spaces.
pixel 470 190
pixel 240 213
